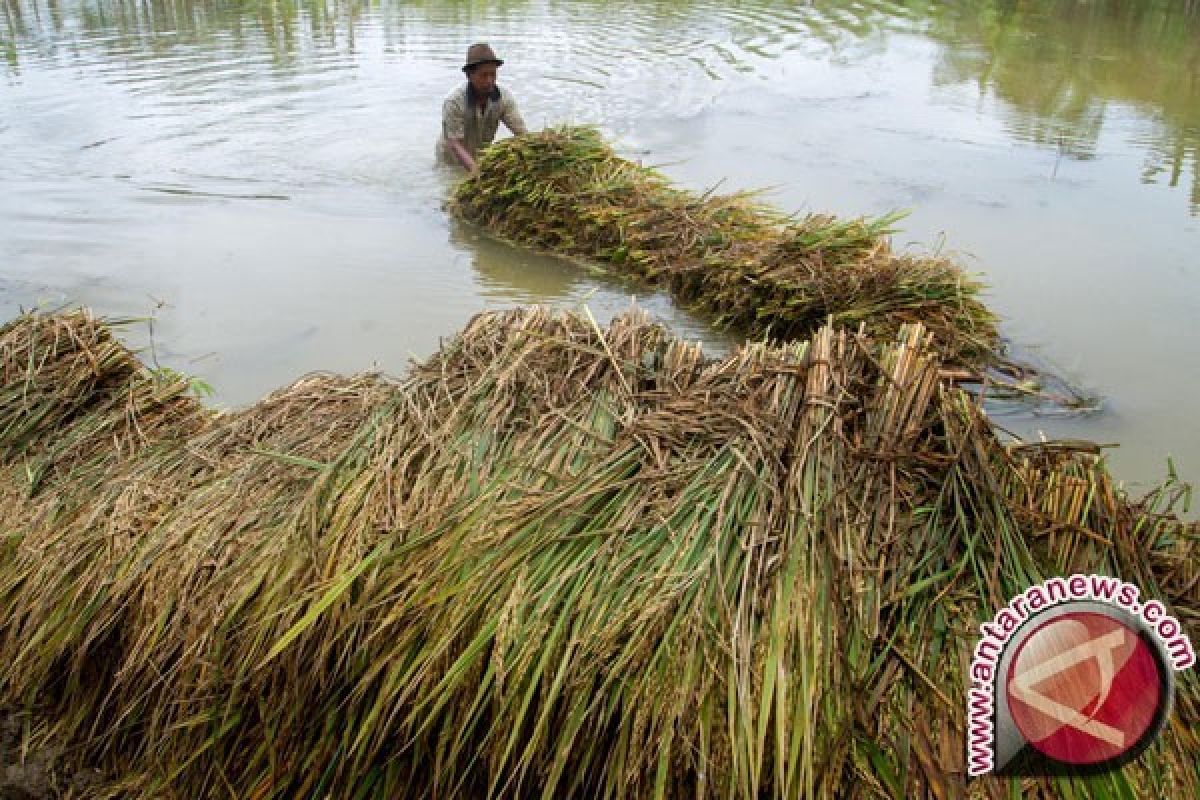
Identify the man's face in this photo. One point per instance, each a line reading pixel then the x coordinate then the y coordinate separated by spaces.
pixel 483 79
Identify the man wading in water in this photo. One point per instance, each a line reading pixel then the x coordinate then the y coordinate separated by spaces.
pixel 471 114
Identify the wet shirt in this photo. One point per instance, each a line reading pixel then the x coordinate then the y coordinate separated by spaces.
pixel 462 118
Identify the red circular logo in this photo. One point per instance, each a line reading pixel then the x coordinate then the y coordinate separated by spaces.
pixel 1084 688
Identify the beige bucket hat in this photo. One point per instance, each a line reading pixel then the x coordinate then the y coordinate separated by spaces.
pixel 481 53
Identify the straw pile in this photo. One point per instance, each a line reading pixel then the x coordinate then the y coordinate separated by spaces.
pixel 751 268
pixel 556 561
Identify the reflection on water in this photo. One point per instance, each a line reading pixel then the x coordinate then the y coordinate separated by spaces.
pixel 1068 68
pixel 257 173
pixel 511 273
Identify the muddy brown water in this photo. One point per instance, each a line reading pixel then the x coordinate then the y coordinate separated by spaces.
pixel 258 178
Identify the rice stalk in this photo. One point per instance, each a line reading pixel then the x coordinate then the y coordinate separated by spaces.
pixel 555 560
pixel 748 266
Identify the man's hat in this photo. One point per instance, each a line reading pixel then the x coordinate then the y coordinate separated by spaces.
pixel 480 53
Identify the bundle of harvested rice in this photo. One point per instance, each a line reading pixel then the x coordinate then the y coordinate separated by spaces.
pixel 566 191
pixel 556 561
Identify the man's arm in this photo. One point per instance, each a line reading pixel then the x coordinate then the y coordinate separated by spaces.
pixel 459 148
pixel 511 117
pixel 454 130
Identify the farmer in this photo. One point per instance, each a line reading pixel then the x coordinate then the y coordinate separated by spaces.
pixel 471 113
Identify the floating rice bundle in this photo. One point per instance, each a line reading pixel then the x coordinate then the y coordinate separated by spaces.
pixel 557 560
pixel 751 268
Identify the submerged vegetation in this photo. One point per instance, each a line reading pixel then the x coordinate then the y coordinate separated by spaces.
pixel 556 560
